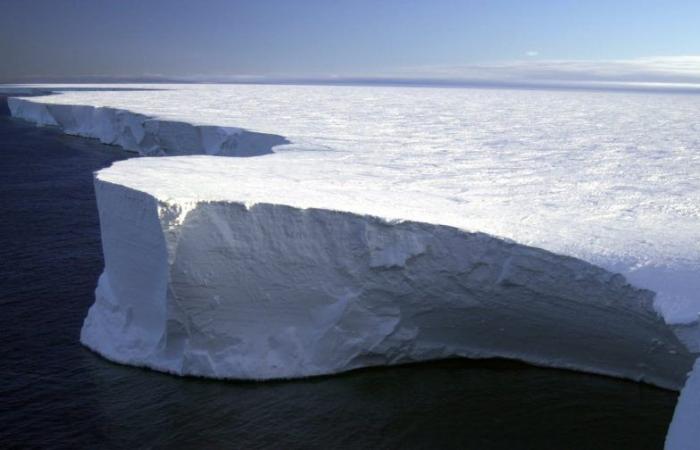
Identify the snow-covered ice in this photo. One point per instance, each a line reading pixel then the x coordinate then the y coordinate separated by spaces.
pixel 401 224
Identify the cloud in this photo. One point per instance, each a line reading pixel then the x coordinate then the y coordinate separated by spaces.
pixel 531 53
pixel 664 69
pixel 663 73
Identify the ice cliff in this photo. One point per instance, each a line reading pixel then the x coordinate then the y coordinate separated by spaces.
pixel 143 134
pixel 224 286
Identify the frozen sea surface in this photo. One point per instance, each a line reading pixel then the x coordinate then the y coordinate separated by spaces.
pixel 611 178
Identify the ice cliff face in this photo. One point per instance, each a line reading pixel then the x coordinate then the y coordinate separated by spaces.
pixel 142 134
pixel 230 289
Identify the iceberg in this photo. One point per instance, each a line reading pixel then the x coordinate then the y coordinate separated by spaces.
pixel 397 225
pixel 207 273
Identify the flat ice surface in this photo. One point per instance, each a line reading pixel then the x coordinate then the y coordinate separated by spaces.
pixel 611 178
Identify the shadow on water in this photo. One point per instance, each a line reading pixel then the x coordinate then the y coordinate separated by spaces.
pixel 55 393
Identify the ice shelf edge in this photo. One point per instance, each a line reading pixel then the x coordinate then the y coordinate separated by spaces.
pixel 142 134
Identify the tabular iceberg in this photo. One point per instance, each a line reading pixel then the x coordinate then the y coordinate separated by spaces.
pixel 574 244
pixel 219 284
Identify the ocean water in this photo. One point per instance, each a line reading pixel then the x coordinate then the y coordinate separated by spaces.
pixel 54 393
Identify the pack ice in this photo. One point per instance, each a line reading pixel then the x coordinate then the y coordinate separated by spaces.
pixel 397 225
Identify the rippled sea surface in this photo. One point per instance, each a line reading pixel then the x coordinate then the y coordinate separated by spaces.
pixel 56 394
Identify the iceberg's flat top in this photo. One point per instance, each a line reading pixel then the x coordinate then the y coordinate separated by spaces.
pixel 610 178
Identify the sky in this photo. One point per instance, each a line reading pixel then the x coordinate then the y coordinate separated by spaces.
pixel 56 40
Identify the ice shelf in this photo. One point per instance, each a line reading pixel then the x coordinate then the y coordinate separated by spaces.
pixel 529 227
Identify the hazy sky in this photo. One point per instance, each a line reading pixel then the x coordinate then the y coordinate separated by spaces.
pixel 54 38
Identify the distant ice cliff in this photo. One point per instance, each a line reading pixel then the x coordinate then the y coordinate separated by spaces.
pixel 143 134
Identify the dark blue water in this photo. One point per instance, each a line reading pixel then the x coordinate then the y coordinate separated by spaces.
pixel 56 394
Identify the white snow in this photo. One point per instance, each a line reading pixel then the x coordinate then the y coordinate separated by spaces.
pixel 352 245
